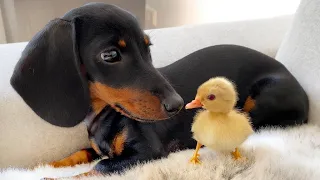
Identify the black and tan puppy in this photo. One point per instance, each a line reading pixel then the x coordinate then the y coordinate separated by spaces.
pixel 97 59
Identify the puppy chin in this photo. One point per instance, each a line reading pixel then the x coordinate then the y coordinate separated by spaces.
pixel 130 115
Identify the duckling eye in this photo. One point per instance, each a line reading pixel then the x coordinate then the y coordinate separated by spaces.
pixel 211 97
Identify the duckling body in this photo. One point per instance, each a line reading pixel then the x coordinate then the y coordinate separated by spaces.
pixel 221 131
pixel 219 126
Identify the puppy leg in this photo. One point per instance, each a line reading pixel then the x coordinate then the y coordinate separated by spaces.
pixel 137 152
pixel 80 157
pixel 109 166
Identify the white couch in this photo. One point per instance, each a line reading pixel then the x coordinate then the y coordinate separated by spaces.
pixel 26 140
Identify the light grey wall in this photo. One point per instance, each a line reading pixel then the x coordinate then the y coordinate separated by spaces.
pixel 170 13
pixel 23 18
pixel 3 38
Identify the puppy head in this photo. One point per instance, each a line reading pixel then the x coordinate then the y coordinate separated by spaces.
pixel 93 56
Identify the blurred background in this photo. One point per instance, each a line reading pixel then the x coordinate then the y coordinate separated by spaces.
pixel 21 19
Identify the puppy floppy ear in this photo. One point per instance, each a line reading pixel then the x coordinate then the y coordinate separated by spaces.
pixel 48 75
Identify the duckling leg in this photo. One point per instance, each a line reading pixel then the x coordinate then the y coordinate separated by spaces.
pixel 195 157
pixel 236 154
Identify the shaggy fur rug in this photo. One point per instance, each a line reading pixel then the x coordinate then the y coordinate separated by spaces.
pixel 290 154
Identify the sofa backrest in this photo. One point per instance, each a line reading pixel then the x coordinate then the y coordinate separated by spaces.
pixel 300 53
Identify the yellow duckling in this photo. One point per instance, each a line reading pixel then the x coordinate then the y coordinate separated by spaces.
pixel 219 127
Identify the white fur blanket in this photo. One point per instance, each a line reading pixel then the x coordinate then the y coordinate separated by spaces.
pixel 291 154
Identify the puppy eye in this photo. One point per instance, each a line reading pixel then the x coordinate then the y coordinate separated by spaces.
pixel 211 97
pixel 110 56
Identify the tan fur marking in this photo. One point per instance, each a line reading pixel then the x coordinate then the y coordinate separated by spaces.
pixel 122 43
pixel 146 40
pixel 97 104
pixel 249 104
pixel 79 157
pixel 141 104
pixel 118 143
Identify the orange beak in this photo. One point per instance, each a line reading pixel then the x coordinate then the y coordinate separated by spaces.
pixel 194 104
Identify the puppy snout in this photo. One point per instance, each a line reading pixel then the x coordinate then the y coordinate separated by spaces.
pixel 173 104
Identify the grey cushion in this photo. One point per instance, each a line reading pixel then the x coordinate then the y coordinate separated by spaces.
pixel 300 52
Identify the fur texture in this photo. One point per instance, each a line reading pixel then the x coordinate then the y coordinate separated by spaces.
pixel 293 153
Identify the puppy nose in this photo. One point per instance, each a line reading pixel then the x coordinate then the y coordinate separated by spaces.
pixel 173 104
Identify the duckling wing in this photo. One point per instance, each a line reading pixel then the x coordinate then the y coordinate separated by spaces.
pixel 239 128
pixel 224 134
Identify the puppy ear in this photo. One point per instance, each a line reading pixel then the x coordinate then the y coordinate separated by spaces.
pixel 48 76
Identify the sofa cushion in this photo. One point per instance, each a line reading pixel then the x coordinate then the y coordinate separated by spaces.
pixel 300 52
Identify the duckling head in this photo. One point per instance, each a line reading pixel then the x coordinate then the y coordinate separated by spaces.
pixel 216 95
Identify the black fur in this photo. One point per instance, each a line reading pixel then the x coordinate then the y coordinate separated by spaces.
pixel 48 78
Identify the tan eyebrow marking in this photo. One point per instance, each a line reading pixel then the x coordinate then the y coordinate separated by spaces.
pixel 122 43
pixel 146 40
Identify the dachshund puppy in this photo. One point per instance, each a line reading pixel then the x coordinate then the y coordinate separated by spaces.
pixel 93 56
